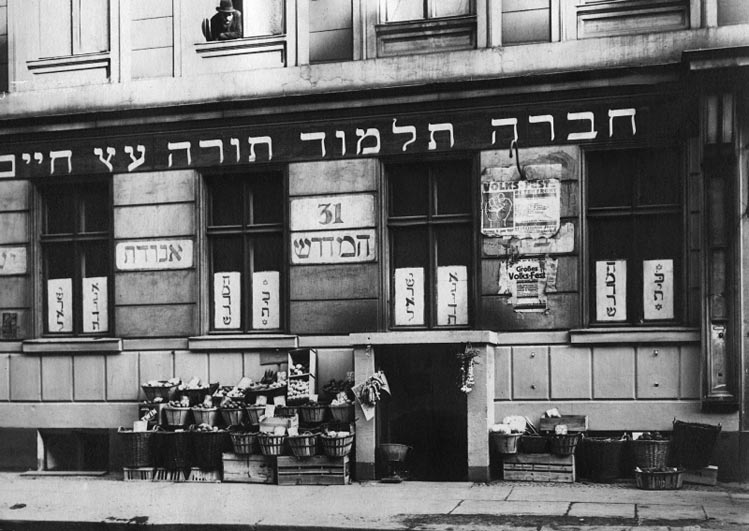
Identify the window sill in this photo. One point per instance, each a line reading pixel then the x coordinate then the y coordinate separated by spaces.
pixel 588 336
pixel 246 45
pixel 242 342
pixel 424 36
pixel 426 337
pixel 100 345
pixel 69 62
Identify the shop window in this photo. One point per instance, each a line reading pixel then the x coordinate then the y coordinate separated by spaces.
pixel 266 17
pixel 246 219
pixel 635 236
pixel 81 27
pixel 430 224
pixel 76 257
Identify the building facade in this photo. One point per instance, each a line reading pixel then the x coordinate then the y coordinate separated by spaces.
pixel 560 185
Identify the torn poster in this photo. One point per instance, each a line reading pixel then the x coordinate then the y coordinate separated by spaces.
pixel 528 280
pixel 520 209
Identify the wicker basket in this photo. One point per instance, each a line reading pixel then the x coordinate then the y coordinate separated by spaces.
pixel 254 413
pixel 337 446
pixel 208 447
pixel 205 415
pixel 650 453
pixel 658 479
pixel 176 416
pixel 286 411
pixel 197 395
pixel 564 445
pixel 174 449
pixel 164 392
pixel 505 443
pixel 232 416
pixel 693 443
pixel 271 444
pixel 138 448
pixel 245 443
pixel 304 445
pixel 533 444
pixel 343 413
pixel 312 413
pixel 601 458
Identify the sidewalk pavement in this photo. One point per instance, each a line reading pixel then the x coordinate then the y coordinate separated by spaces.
pixel 41 503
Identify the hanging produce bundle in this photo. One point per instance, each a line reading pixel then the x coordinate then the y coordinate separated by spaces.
pixel 467 359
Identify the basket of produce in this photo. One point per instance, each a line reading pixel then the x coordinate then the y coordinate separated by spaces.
pixel 505 443
pixel 533 444
pixel 208 445
pixel 312 413
pixel 286 411
pixel 137 448
pixel 692 444
pixel 660 478
pixel 160 390
pixel 254 413
pixel 232 412
pixel 601 457
pixel 244 443
pixel 207 415
pixel 196 392
pixel 302 445
pixel 342 413
pixel 337 444
pixel 564 444
pixel 176 415
pixel 650 450
pixel 394 452
pixel 174 449
pixel 271 443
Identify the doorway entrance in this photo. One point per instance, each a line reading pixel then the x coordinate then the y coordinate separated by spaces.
pixel 426 411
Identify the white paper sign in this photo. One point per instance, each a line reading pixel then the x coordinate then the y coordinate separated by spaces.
pixel 333 247
pixel 12 260
pixel 60 305
pixel 452 295
pixel 332 212
pixel 266 305
pixel 227 300
pixel 153 255
pixel 658 289
pixel 409 296
pixel 95 309
pixel 611 290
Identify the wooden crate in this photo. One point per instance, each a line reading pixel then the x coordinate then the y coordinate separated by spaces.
pixel 198 475
pixel 249 468
pixel 315 470
pixel 172 476
pixel 702 476
pixel 574 423
pixel 539 467
pixel 138 473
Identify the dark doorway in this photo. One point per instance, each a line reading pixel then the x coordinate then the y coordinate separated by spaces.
pixel 426 410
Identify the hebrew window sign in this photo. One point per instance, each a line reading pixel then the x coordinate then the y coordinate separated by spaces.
pixel 452 295
pixel 658 289
pixel 520 209
pixel 266 300
pixel 409 296
pixel 153 255
pixel 227 299
pixel 611 290
pixel 60 305
pixel 468 129
pixel 332 212
pixel 95 305
pixel 333 247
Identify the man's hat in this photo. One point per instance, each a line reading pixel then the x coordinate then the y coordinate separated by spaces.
pixel 225 6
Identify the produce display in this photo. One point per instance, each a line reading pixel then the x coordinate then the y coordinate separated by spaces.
pixel 298 389
pixel 652 436
pixel 298 369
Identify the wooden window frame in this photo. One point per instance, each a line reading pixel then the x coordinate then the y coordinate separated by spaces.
pixel 429 221
pixel 77 239
pixel 247 231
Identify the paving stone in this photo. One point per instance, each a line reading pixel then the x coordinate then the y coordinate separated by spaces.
pixel 512 508
pixel 670 512
pixel 604 510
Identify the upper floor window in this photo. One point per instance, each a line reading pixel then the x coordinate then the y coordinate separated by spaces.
pixel 266 17
pixel 76 257
pixel 246 220
pixel 430 224
pixel 72 27
pixel 401 10
pixel 635 240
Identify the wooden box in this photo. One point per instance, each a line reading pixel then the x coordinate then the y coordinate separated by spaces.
pixel 303 384
pixel 268 424
pixel 702 476
pixel 574 423
pixel 315 470
pixel 249 468
pixel 539 467
pixel 198 475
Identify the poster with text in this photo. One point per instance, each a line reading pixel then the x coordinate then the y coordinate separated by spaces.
pixel 227 300
pixel 658 289
pixel 60 305
pixel 452 295
pixel 528 280
pixel 95 309
pixel 409 296
pixel 266 306
pixel 611 290
pixel 520 209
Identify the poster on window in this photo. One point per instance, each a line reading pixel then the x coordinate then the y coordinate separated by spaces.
pixel 409 296
pixel 266 294
pixel 227 300
pixel 611 290
pixel 452 295
pixel 528 280
pixel 12 260
pixel 95 309
pixel 658 289
pixel 520 209
pixel 60 305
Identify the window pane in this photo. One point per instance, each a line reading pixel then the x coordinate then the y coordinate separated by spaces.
pixel 263 17
pixel 267 198
pixel 409 190
pixel 95 205
pixel 453 245
pixel 609 238
pixel 451 8
pixel 410 247
pixel 611 176
pixel 227 254
pixel 55 14
pixel 268 252
pixel 659 178
pixel 659 236
pixel 94 26
pixel 396 10
pixel 59 260
pixel 226 201
pixel 453 181
pixel 95 259
pixel 60 210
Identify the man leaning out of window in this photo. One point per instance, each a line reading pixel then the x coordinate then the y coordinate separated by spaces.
pixel 224 25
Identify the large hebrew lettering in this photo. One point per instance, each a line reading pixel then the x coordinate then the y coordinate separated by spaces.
pixel 583 116
pixel 504 122
pixel 543 118
pixel 405 130
pixel 445 127
pixel 369 133
pixel 342 136
pixel 235 142
pixel 333 247
pixel 214 143
pixel 621 113
pixel 62 154
pixel 260 140
pixel 174 146
pixel 12 171
pixel 153 255
pixel 136 161
pixel 110 153
pixel 310 137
